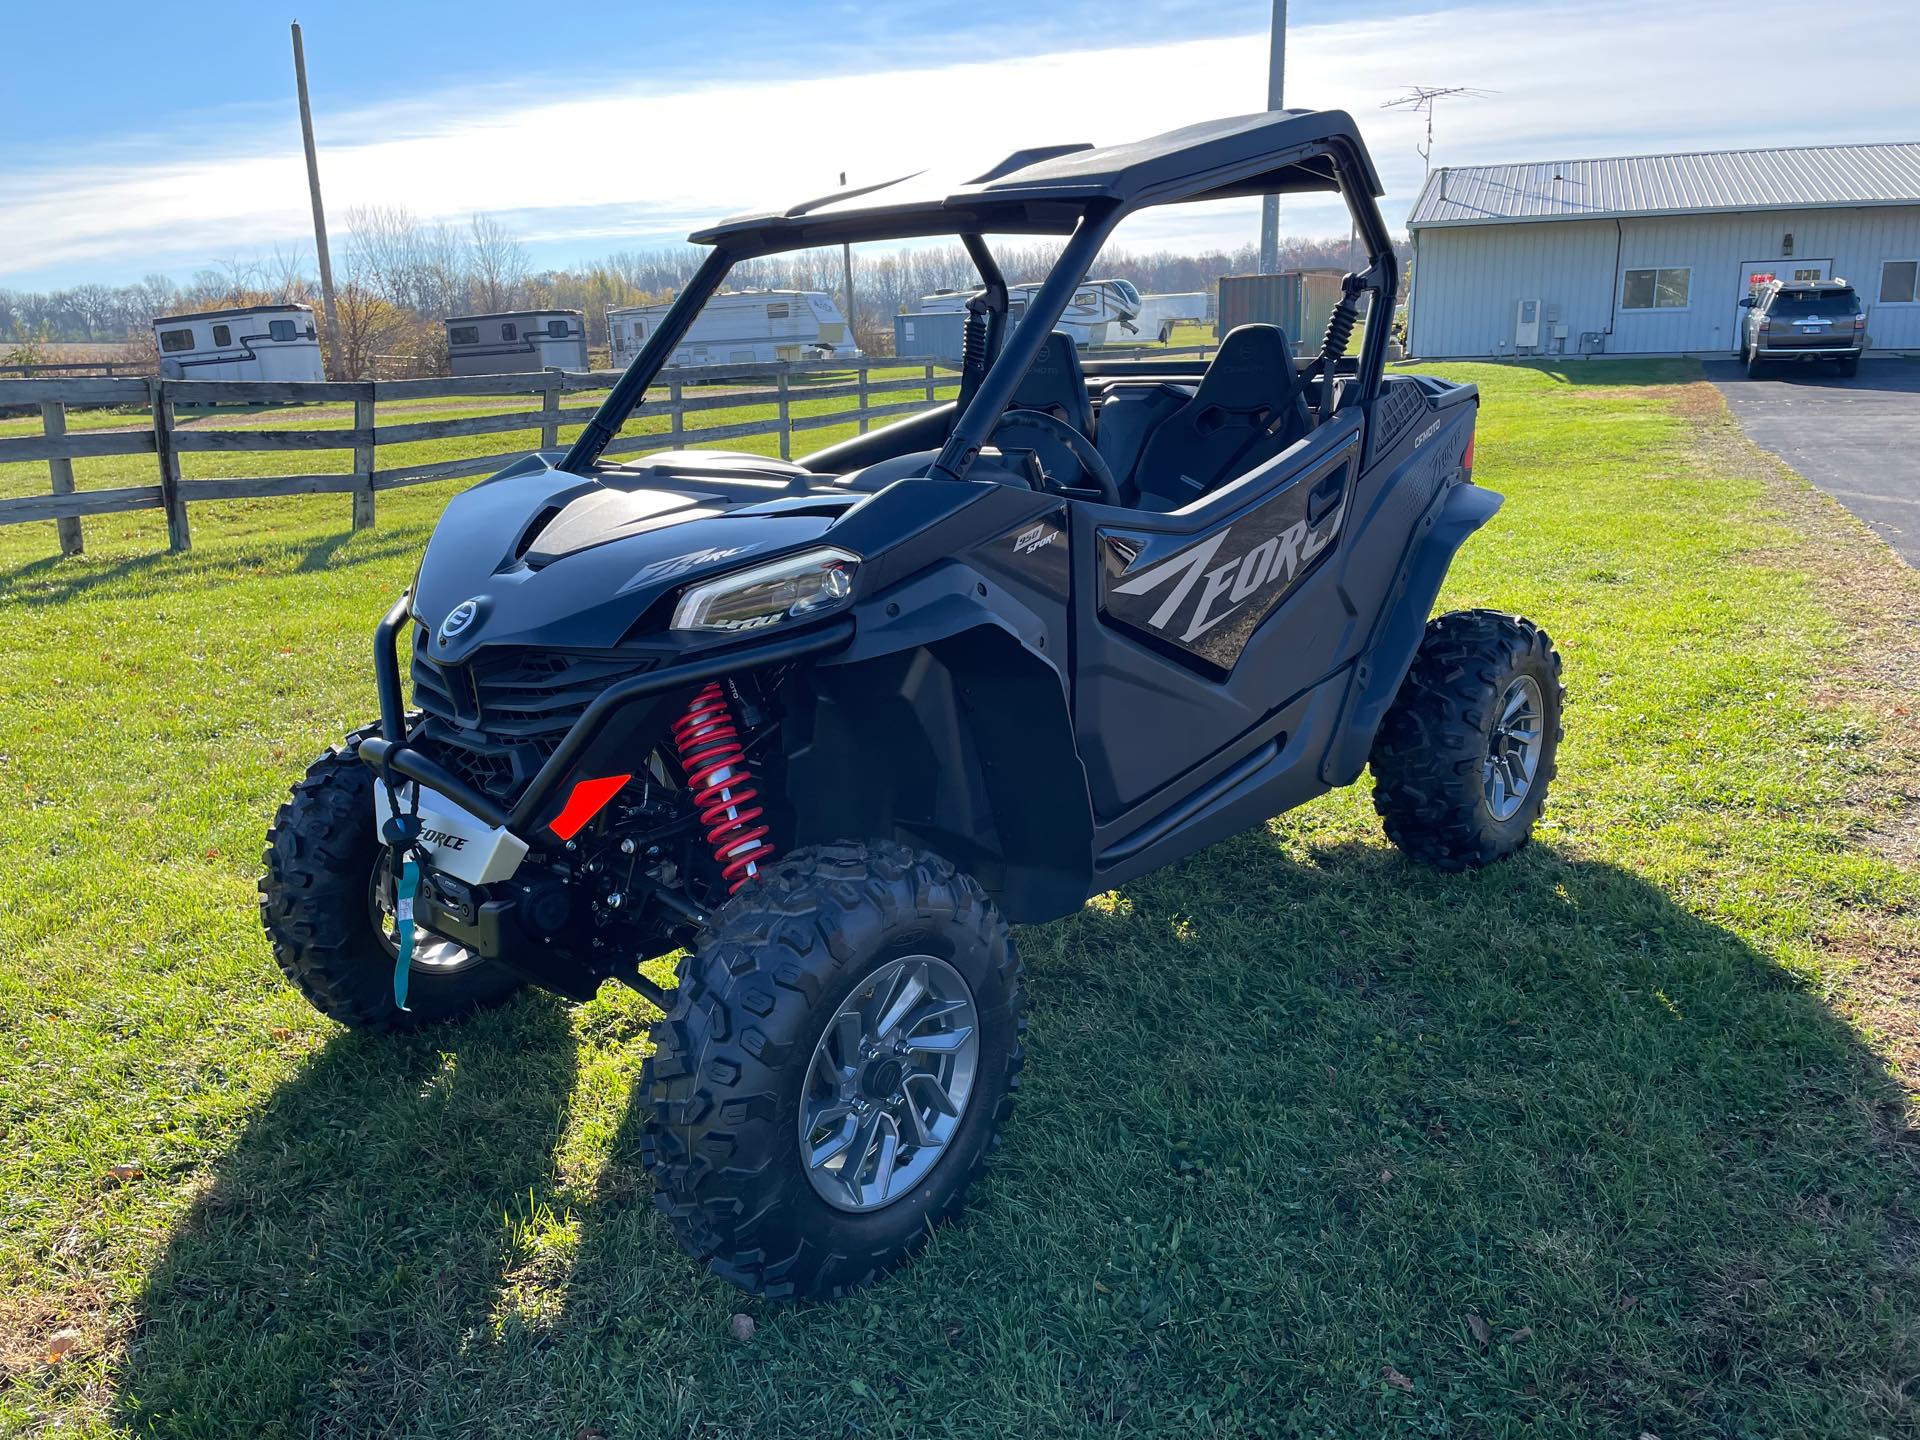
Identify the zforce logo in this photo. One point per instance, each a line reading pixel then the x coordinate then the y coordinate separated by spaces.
pixel 681 564
pixel 444 838
pixel 1226 587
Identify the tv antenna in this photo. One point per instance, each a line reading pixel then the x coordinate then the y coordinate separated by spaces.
pixel 1422 99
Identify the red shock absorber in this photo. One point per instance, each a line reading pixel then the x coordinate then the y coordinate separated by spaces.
pixel 708 745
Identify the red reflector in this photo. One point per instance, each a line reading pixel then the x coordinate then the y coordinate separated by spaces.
pixel 588 799
pixel 1466 460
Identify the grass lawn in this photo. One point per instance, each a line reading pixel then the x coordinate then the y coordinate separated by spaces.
pixel 1609 1140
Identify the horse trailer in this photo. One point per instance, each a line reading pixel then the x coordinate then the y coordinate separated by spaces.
pixel 1102 312
pixel 746 327
pixel 516 340
pixel 253 342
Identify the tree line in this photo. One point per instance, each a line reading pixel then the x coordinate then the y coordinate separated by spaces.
pixel 398 277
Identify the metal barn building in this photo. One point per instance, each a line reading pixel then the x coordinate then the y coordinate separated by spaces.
pixel 1651 254
pixel 512 341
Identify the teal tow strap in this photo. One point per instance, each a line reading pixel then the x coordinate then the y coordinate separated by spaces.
pixel 402 835
pixel 404 889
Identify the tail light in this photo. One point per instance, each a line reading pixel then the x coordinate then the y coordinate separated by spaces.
pixel 1859 322
pixel 1466 458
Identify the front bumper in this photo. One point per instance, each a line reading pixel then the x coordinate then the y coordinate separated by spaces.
pixel 396 761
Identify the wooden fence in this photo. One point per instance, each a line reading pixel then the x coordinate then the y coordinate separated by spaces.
pixel 677 396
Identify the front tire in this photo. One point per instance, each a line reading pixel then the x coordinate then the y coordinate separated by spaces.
pixel 786 996
pixel 319 902
pixel 1466 753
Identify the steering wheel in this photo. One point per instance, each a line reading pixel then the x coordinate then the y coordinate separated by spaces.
pixel 1092 465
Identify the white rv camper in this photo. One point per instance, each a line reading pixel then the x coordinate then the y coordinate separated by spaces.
pixel 1101 312
pixel 744 327
pixel 516 340
pixel 255 342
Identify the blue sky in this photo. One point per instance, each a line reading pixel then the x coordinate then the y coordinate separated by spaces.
pixel 592 127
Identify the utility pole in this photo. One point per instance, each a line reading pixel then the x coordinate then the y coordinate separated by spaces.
pixel 846 262
pixel 1276 84
pixel 319 211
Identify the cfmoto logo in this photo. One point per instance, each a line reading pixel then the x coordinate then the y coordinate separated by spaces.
pixel 459 619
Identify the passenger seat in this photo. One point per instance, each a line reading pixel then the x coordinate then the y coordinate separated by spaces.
pixel 1248 408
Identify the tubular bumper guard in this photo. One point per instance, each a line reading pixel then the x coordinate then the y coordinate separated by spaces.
pixel 390 754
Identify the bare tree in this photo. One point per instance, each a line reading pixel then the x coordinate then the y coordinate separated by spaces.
pixel 497 263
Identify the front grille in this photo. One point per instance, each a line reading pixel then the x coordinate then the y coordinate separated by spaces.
pixel 495 720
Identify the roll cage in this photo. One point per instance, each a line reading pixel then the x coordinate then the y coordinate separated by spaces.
pixel 1078 191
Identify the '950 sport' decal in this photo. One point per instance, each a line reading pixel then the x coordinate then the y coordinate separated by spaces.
pixel 1208 593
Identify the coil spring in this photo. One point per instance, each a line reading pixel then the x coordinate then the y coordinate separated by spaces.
pixel 708 744
pixel 973 343
pixel 1340 328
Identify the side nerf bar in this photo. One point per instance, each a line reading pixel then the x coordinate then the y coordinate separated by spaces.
pixel 390 754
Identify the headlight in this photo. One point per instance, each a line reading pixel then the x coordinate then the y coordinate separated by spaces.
pixel 810 583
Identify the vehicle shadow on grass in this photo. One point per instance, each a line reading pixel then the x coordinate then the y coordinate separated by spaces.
pixel 348 1254
pixel 1566 1157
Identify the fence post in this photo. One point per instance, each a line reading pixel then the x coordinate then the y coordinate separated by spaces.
pixel 929 382
pixel 550 411
pixel 179 537
pixel 363 458
pixel 53 424
pixel 786 432
pixel 676 422
pixel 864 398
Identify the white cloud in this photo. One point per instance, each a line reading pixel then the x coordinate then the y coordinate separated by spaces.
pixel 638 161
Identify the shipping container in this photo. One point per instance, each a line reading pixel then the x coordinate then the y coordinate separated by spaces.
pixel 1298 301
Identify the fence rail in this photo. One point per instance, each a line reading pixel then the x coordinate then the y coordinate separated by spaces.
pixel 678 396
pixel 880 388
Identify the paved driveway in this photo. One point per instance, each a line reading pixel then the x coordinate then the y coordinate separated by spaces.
pixel 1858 439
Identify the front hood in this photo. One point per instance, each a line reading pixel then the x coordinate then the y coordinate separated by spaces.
pixel 557 560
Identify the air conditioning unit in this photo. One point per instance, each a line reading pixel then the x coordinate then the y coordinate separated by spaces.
pixel 1526 324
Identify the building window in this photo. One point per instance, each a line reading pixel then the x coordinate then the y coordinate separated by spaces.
pixel 557 329
pixel 1659 289
pixel 1899 282
pixel 509 331
pixel 175 340
pixel 463 335
pixel 280 330
pixel 777 311
pixel 222 336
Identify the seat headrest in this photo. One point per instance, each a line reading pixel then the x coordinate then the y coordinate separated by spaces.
pixel 1056 378
pixel 1252 368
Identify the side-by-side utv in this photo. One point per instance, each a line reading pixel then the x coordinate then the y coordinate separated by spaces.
pixel 829 726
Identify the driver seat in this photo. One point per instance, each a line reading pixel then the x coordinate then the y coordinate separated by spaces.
pixel 1249 400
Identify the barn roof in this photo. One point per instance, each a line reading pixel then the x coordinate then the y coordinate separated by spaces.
pixel 1046 190
pixel 1804 177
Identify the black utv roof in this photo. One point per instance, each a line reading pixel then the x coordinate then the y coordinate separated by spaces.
pixel 1046 190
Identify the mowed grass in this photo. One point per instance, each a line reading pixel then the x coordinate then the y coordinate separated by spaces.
pixel 1607 1140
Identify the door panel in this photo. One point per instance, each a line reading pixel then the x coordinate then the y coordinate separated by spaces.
pixel 1174 657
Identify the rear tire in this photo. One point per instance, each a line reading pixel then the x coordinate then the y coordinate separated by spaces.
pixel 759 1003
pixel 1753 364
pixel 315 905
pixel 1447 762
pixel 1849 367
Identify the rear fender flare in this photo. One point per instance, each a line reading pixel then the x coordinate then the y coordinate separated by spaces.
pixel 1461 509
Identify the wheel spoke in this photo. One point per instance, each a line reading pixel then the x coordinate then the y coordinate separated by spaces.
pixel 883 1167
pixel 1517 702
pixel 933 1010
pixel 945 1043
pixel 917 1131
pixel 909 991
pixel 834 1144
pixel 857 1151
pixel 847 1034
pixel 937 1096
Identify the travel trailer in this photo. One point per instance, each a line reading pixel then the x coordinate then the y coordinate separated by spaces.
pixel 1101 313
pixel 516 340
pixel 744 327
pixel 255 342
